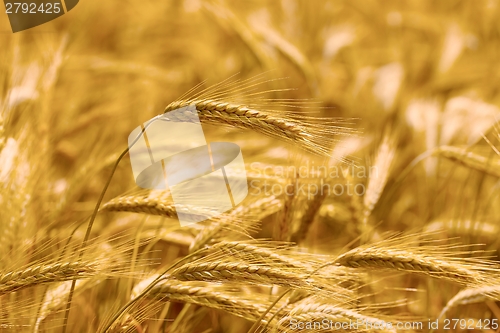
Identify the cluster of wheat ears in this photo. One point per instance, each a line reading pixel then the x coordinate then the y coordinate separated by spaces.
pixel 375 203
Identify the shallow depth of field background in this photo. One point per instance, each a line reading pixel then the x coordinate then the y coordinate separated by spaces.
pixel 421 73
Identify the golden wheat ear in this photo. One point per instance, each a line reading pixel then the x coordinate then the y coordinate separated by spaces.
pixel 471 296
pixel 313 138
pixel 310 310
pixel 488 164
pixel 244 104
pixel 413 254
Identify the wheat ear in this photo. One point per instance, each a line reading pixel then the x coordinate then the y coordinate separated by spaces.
pixel 282 229
pixel 257 209
pixel 313 207
pixel 56 296
pixel 472 295
pixel 206 295
pixel 224 271
pixel 490 166
pixel 464 227
pixel 273 125
pixel 270 255
pixel 150 202
pixel 377 182
pixel 38 274
pixel 387 258
pixel 314 310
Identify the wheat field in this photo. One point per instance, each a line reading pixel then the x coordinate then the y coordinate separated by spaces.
pixel 371 143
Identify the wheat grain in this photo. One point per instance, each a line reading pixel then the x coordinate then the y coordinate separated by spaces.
pixel 64 121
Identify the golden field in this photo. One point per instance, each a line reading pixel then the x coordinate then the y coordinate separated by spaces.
pixel 369 132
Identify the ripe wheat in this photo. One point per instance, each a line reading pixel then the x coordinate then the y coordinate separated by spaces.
pixel 240 116
pixel 472 295
pixel 38 274
pixel 224 271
